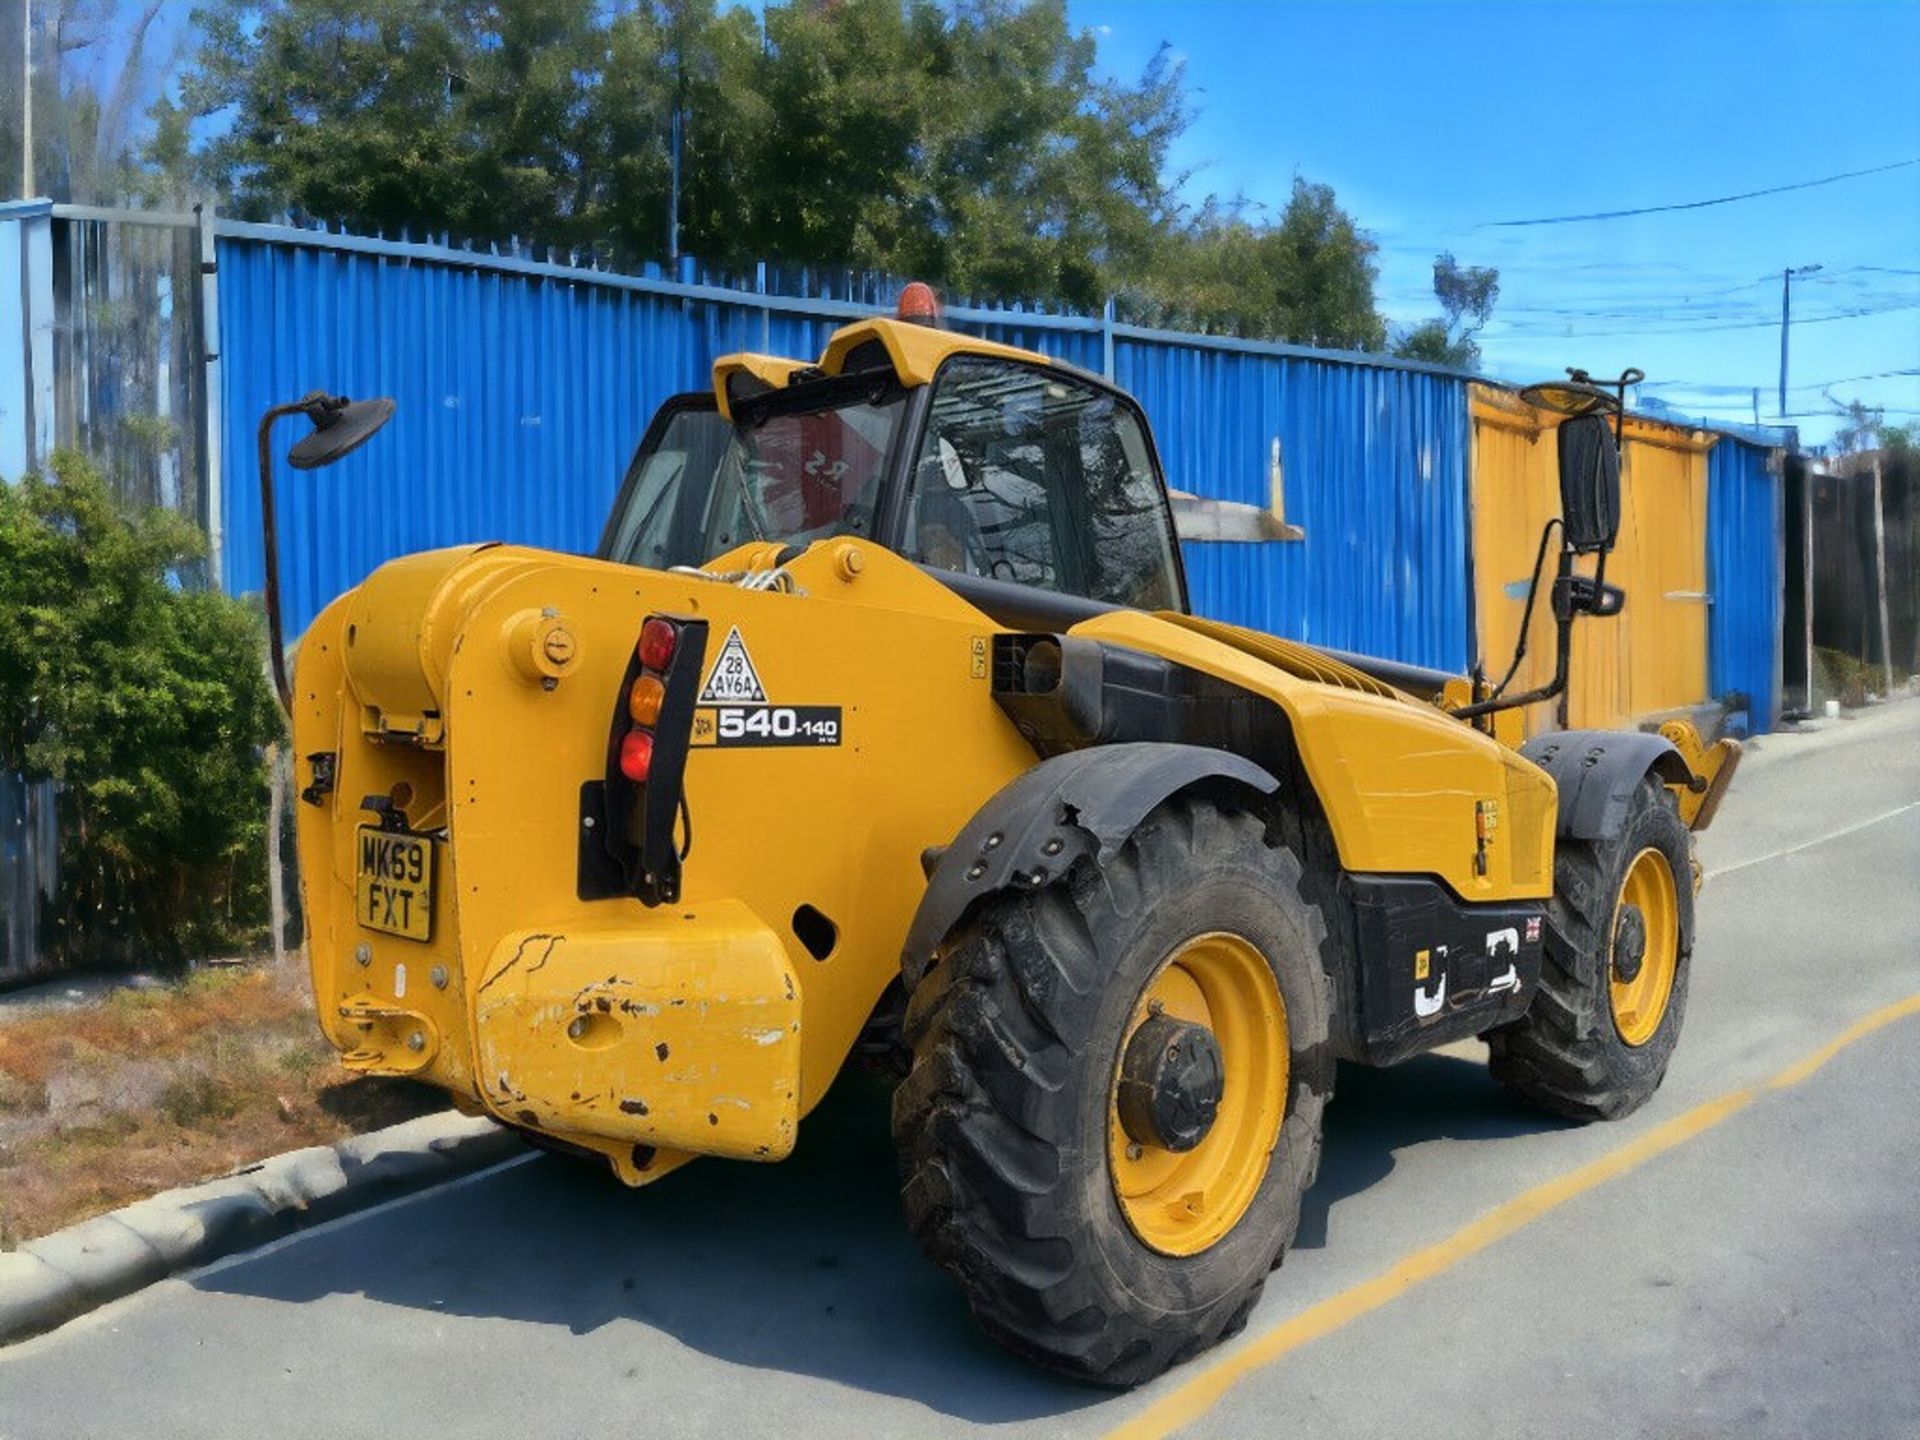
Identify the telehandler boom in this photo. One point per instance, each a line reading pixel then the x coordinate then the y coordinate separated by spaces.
pixel 880 724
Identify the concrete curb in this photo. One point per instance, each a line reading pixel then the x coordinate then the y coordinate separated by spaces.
pixel 49 1281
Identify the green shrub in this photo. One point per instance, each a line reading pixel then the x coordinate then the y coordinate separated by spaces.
pixel 1846 678
pixel 196 1097
pixel 147 703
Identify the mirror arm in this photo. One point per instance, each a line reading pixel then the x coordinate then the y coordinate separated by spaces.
pixel 269 532
pixel 1562 657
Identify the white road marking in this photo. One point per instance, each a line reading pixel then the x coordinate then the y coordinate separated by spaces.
pixel 1817 840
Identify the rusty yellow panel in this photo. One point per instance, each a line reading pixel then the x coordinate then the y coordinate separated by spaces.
pixel 684 1036
pixel 391 1005
pixel 1662 564
pixel 1653 656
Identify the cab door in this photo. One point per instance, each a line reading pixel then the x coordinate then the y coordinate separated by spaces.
pixel 659 518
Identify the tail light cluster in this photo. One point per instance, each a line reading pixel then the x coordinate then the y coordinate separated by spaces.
pixel 659 639
pixel 635 827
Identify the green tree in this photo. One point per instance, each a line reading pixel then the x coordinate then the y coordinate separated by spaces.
pixel 349 112
pixel 93 73
pixel 147 704
pixel 1861 425
pixel 1308 278
pixel 1467 294
pixel 972 143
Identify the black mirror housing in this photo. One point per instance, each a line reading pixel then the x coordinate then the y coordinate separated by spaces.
pixel 340 426
pixel 1589 483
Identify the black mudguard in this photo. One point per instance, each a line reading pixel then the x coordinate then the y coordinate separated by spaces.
pixel 1597 772
pixel 1082 803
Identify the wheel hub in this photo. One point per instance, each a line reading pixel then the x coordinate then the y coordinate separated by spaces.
pixel 1171 1080
pixel 1629 945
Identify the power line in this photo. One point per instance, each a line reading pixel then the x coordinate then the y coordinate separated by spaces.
pixel 1704 387
pixel 1699 204
pixel 1708 329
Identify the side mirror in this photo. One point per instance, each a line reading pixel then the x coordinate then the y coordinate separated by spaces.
pixel 1589 483
pixel 340 426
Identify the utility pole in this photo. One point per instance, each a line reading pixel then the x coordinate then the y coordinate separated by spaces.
pixel 1786 301
pixel 1880 573
pixel 26 99
pixel 673 187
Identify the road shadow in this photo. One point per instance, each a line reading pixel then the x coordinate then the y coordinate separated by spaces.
pixel 805 1267
pixel 1376 1113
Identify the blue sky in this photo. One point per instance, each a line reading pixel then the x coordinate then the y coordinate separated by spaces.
pixel 1431 120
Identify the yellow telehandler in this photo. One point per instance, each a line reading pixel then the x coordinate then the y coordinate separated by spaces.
pixel 879 725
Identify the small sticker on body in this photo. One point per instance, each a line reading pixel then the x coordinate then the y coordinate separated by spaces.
pixel 733 678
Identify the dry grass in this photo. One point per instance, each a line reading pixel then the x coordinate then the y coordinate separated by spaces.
pixel 149 1089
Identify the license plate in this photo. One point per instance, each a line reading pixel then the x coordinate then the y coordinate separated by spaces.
pixel 395 889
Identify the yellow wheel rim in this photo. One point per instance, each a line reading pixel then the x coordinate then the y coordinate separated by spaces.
pixel 1647 915
pixel 1181 1202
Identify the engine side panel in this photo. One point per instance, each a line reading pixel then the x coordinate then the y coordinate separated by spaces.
pixel 1406 789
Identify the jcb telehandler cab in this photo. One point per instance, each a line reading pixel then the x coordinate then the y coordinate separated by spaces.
pixel 880 720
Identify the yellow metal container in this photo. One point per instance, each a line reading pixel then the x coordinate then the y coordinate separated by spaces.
pixel 1653 656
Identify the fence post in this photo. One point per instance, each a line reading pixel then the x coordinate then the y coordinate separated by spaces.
pixel 766 311
pixel 1880 572
pixel 1106 340
pixel 277 782
pixel 210 385
pixel 1806 572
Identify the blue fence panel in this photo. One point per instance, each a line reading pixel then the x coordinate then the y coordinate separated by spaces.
pixel 519 403
pixel 522 389
pixel 521 392
pixel 1744 575
pixel 1375 467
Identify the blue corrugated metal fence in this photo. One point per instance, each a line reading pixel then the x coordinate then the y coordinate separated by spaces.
pixel 1744 576
pixel 524 387
pixel 1374 461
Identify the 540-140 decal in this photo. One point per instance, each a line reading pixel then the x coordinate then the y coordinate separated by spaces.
pixel 732 708
pixel 740 725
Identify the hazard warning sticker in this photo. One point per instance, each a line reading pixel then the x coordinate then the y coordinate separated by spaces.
pixel 734 710
pixel 733 680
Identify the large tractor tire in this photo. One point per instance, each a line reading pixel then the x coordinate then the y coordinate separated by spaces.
pixel 1115 1101
pixel 1595 1043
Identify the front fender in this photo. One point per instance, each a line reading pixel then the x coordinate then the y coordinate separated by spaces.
pixel 1085 802
pixel 1596 773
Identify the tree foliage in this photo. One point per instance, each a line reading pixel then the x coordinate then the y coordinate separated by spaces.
pixel 1307 278
pixel 1467 294
pixel 146 704
pixel 1862 426
pixel 975 144
pixel 93 73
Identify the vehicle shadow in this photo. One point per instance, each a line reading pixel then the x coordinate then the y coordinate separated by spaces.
pixel 805 1267
pixel 1377 1113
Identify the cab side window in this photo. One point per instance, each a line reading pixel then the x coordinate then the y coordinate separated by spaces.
pixel 1034 477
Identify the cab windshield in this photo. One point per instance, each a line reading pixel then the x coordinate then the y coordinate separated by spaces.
pixel 799 465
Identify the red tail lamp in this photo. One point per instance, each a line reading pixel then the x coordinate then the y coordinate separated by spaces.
pixel 918 304
pixel 636 755
pixel 657 641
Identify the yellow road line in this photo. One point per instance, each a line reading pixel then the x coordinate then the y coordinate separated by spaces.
pixel 1198 1393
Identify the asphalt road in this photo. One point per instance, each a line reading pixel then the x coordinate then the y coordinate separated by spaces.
pixel 1742 1257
